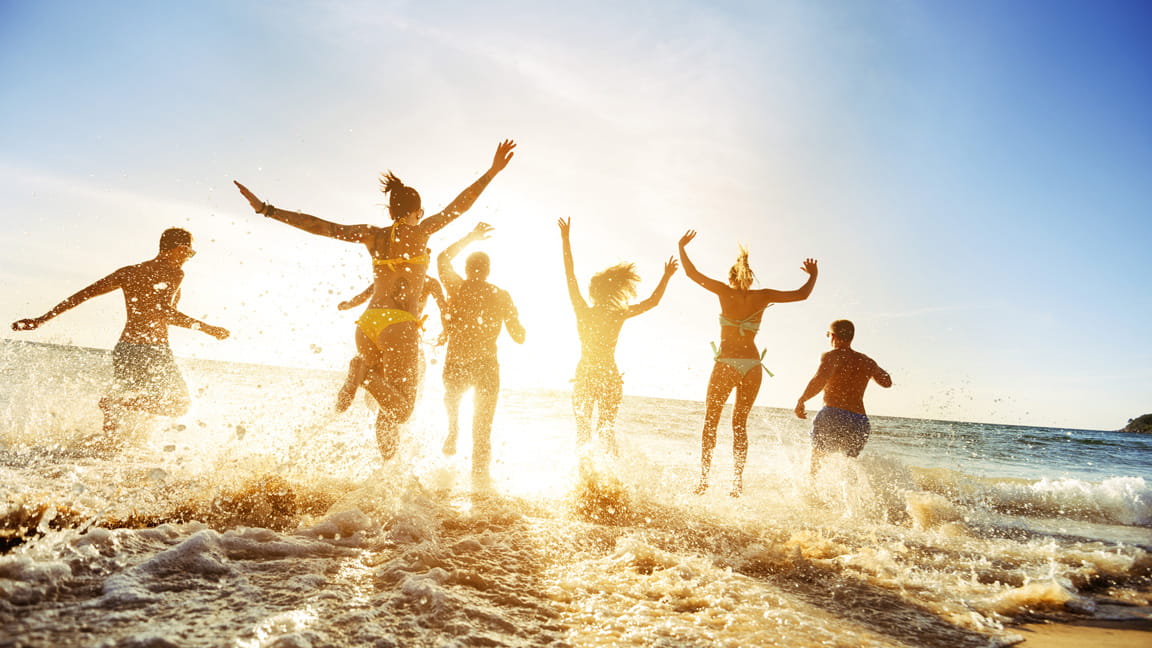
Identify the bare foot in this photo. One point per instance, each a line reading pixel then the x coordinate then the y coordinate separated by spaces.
pixel 702 487
pixel 356 373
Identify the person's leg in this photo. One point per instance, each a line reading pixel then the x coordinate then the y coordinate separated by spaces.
pixel 487 386
pixel 357 372
pixel 821 437
pixel 746 393
pixel 720 384
pixel 391 379
pixel 146 380
pixel 454 388
pixel 611 393
pixel 583 405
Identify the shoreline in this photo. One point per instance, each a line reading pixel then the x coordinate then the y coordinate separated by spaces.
pixel 1118 633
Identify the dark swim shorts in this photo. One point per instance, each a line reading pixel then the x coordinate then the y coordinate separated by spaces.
pixel 149 371
pixel 837 430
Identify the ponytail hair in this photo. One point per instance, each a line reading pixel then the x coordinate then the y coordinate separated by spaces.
pixel 402 199
pixel 740 275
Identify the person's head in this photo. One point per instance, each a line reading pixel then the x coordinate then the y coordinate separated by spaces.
pixel 614 286
pixel 176 240
pixel 740 275
pixel 841 333
pixel 477 266
pixel 403 200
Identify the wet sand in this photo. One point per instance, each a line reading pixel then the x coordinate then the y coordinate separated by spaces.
pixel 1097 634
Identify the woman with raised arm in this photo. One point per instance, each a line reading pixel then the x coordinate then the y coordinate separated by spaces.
pixel 598 386
pixel 388 333
pixel 738 362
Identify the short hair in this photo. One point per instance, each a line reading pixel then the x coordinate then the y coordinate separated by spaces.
pixel 614 286
pixel 174 237
pixel 843 329
pixel 740 275
pixel 402 199
pixel 478 265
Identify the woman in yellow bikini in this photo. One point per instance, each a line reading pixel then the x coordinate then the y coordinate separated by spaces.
pixel 388 333
pixel 738 362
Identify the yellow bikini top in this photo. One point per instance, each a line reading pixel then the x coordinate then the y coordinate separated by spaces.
pixel 423 259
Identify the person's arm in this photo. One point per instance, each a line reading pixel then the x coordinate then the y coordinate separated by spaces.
pixel 100 287
pixel 306 222
pixel 433 289
pixel 512 320
pixel 650 303
pixel 574 295
pixel 801 293
pixel 468 197
pixel 357 300
pixel 816 385
pixel 444 266
pixel 708 283
pixel 176 318
pixel 880 376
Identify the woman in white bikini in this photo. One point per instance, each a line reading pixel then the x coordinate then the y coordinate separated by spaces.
pixel 388 333
pixel 738 362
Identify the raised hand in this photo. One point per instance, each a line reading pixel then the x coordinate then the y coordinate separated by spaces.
pixel 565 226
pixel 481 232
pixel 810 267
pixel 258 205
pixel 670 266
pixel 687 238
pixel 503 155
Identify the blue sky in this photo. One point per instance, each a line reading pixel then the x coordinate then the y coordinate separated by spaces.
pixel 974 177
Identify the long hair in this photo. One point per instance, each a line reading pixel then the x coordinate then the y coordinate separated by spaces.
pixel 740 275
pixel 614 286
pixel 402 199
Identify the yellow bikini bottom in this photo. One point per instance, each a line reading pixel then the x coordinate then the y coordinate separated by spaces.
pixel 375 320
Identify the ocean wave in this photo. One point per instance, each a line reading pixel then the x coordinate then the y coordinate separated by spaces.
pixel 1116 500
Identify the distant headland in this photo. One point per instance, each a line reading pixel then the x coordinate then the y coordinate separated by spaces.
pixel 1139 424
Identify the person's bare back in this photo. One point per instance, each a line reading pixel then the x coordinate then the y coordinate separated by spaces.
pixel 848 374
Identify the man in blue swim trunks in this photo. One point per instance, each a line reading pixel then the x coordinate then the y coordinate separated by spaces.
pixel 842 425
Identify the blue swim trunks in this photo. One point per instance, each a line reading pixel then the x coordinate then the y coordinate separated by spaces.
pixel 837 430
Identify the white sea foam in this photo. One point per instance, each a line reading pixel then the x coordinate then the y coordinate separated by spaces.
pixel 294 534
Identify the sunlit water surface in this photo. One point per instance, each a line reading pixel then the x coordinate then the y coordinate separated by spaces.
pixel 263 519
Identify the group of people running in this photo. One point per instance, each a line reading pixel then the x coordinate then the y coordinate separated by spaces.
pixel 389 362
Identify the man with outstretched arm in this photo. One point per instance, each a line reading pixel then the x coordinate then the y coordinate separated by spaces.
pixel 842 425
pixel 146 376
pixel 477 311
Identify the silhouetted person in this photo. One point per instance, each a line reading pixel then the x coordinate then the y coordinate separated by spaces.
pixel 738 362
pixel 146 376
pixel 598 386
pixel 843 375
pixel 477 310
pixel 388 333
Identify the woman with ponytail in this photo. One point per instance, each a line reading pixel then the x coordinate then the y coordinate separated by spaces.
pixel 738 362
pixel 598 387
pixel 388 333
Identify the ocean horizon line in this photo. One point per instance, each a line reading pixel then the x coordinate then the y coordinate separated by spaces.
pixel 559 390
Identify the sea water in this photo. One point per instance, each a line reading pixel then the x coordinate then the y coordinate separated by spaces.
pixel 261 518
